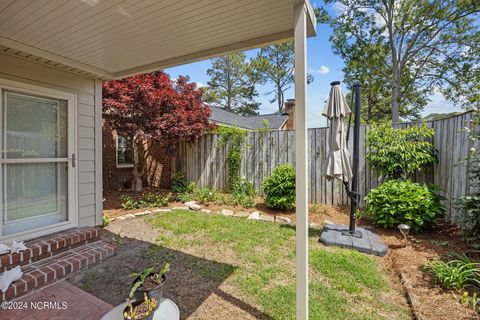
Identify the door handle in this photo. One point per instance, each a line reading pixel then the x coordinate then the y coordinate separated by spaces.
pixel 73 159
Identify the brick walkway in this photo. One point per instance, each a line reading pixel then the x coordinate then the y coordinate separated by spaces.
pixel 72 304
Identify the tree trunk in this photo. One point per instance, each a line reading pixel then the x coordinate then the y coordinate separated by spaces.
pixel 280 98
pixel 395 104
pixel 137 184
pixel 138 166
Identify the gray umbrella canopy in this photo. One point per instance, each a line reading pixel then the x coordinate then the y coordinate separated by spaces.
pixel 336 109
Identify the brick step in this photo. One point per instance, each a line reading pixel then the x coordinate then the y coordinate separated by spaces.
pixel 48 246
pixel 47 271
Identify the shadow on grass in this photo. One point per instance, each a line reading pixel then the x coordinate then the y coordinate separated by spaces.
pixel 190 281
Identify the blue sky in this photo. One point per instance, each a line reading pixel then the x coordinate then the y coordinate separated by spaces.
pixel 322 64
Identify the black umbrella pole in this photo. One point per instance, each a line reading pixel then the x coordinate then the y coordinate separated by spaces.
pixel 357 91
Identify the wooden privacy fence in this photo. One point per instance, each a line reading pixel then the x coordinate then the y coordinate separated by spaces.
pixel 205 162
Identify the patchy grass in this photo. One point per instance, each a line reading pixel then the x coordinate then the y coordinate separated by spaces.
pixel 344 284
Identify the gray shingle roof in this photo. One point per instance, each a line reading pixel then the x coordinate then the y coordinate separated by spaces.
pixel 220 116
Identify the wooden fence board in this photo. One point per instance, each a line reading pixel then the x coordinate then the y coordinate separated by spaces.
pixel 205 162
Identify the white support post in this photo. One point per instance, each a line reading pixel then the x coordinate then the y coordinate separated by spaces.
pixel 301 165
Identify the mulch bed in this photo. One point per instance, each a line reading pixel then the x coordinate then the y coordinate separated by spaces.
pixel 405 265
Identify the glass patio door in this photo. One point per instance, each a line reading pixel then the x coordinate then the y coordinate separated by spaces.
pixel 35 167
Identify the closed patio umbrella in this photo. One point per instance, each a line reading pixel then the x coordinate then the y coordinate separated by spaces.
pixel 336 110
pixel 339 164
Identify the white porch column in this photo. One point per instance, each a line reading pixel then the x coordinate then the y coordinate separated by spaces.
pixel 301 166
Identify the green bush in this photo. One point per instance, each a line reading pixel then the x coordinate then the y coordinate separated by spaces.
pixel 179 183
pixel 243 193
pixel 279 188
pixel 396 153
pixel 468 219
pixel 397 201
pixel 458 273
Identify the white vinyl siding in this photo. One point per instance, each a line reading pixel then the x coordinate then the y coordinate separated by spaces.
pixel 21 70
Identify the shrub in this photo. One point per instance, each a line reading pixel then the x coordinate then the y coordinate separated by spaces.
pixel 279 188
pixel 468 219
pixel 396 153
pixel 179 183
pixel 243 193
pixel 397 201
pixel 459 273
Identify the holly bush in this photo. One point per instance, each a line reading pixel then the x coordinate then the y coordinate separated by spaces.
pixel 397 201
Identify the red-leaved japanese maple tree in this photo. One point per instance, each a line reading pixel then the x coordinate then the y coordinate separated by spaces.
pixel 150 107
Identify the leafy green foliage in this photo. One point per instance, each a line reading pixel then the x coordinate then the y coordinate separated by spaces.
pixel 396 201
pixel 274 65
pixel 279 188
pixel 105 221
pixel 127 202
pixel 159 275
pixel 141 279
pixel 242 194
pixel 179 183
pixel 235 137
pixel 145 201
pixel 469 218
pixel 459 273
pixel 410 48
pixel 396 153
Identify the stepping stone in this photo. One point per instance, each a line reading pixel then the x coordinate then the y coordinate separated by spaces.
pixel 283 220
pixel 181 208
pixel 226 212
pixel 241 214
pixel 254 216
pixel 206 210
pixel 144 213
pixel 126 216
pixel 192 205
pixel 265 217
pixel 161 210
pixel 369 242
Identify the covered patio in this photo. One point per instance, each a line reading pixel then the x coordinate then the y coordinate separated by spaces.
pixel 63 51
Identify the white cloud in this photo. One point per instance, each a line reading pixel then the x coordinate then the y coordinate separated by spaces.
pixel 200 84
pixel 322 70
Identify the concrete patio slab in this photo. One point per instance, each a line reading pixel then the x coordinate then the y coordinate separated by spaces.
pixel 369 243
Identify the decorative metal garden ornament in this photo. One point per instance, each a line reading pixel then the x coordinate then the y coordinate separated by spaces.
pixel 404 230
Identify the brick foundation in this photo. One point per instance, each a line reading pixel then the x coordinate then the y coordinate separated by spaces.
pixel 158 167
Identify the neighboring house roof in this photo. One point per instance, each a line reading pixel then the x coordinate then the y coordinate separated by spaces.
pixel 220 116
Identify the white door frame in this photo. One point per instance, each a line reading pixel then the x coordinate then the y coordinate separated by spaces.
pixel 72 214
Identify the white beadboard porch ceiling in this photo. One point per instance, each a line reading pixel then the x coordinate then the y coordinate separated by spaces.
pixel 117 38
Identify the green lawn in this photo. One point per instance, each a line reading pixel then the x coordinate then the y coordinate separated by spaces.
pixel 344 284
